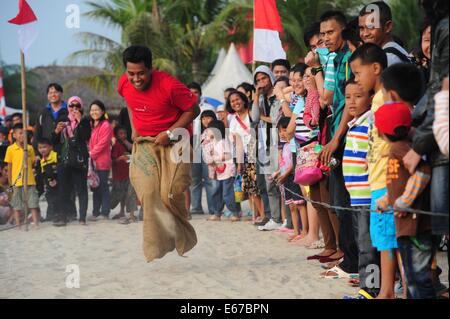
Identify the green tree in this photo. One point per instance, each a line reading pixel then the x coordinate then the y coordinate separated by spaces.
pixel 408 17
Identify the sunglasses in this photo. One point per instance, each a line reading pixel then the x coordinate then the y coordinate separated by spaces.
pixel 78 106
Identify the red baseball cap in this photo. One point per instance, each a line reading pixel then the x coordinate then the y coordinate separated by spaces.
pixel 391 116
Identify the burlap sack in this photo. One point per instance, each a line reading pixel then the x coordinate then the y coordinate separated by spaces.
pixel 160 184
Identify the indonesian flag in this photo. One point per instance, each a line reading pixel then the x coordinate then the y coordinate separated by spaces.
pixel 267 45
pixel 28 31
pixel 2 96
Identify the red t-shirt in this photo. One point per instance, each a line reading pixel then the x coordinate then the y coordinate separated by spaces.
pixel 160 106
pixel 120 170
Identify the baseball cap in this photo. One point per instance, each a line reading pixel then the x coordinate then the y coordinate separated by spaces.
pixel 390 116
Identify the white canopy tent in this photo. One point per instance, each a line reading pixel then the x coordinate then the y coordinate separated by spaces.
pixel 230 73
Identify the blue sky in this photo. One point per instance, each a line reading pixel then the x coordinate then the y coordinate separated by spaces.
pixel 55 42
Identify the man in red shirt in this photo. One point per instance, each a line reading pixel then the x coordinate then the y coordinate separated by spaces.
pixel 158 104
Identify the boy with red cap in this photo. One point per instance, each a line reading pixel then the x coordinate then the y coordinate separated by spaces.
pixel 413 231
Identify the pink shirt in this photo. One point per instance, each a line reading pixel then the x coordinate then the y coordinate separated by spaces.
pixel 217 154
pixel 100 146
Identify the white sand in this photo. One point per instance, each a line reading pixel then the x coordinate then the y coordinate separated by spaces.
pixel 229 261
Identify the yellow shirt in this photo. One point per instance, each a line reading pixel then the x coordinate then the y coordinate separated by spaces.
pixel 14 155
pixel 51 159
pixel 377 156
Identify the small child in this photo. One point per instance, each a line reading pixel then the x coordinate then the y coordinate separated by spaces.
pixel 6 212
pixel 393 122
pixel 285 179
pixel 122 191
pixel 14 158
pixel 49 171
pixel 354 167
pixel 218 156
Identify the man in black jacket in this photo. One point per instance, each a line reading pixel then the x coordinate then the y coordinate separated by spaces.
pixel 54 112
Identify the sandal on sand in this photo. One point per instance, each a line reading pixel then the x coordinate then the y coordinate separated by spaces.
pixel 213 218
pixel 295 238
pixel 337 273
pixel 235 219
pixel 125 221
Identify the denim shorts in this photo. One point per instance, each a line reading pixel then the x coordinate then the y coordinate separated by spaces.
pixel 382 225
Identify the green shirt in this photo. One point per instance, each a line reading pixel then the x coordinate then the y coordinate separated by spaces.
pixel 342 73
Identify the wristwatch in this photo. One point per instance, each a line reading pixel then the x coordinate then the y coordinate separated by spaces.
pixel 315 71
pixel 170 135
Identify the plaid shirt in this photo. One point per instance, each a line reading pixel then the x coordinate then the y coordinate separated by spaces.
pixel 342 73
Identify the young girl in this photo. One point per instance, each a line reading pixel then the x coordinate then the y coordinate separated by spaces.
pixel 217 153
pixel 288 188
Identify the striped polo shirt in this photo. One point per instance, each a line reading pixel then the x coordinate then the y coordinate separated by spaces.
pixel 302 132
pixel 354 164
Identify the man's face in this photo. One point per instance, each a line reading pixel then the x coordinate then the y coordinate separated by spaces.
pixel 373 32
pixel 364 74
pixel 16 120
pixel 263 82
pixel 54 96
pixel 331 34
pixel 279 71
pixel 316 42
pixel 196 93
pixel 139 75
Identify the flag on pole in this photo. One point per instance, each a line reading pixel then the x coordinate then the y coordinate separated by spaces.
pixel 2 96
pixel 267 45
pixel 28 31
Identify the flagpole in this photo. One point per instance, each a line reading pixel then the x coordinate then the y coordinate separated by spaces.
pixel 25 138
pixel 254 61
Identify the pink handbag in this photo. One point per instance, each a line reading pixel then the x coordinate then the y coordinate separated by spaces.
pixel 92 176
pixel 307 170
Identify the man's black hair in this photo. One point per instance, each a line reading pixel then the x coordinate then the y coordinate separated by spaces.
pixel 17 114
pixel 401 134
pixel 229 90
pixel 299 68
pixel 383 9
pixel 18 126
pixel 370 53
pixel 281 62
pixel 283 122
pixel 243 97
pixel 195 86
pixel 247 87
pixel 406 80
pixel 56 86
pixel 218 125
pixel 284 79
pixel 351 33
pixel 138 54
pixel 311 31
pixel 45 141
pixel 338 16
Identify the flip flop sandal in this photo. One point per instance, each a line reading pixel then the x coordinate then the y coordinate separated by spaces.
pixel 125 221
pixel 295 239
pixel 316 245
pixel 339 274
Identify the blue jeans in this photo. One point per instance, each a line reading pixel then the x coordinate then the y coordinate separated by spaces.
pixel 199 179
pixel 102 197
pixel 439 199
pixel 225 192
pixel 417 256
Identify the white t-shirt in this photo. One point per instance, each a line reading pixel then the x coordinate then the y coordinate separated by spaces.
pixel 237 129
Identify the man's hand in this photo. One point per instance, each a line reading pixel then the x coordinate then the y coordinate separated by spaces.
pixel 134 135
pixel 445 84
pixel 162 139
pixel 60 127
pixel 411 160
pixel 279 93
pixel 282 179
pixel 122 158
pixel 328 151
pixel 312 60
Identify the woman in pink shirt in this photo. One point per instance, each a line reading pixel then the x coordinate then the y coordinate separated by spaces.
pixel 100 153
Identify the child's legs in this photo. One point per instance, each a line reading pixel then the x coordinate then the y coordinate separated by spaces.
pixel 388 270
pixel 304 218
pixel 228 195
pixel 417 258
pixel 313 222
pixel 258 203
pixel 295 218
pixel 17 214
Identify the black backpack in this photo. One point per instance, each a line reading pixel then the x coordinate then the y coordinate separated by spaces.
pixel 74 153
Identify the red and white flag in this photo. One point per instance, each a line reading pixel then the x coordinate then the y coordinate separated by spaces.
pixel 267 45
pixel 26 19
pixel 2 96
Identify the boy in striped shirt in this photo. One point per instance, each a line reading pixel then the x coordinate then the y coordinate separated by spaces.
pixel 356 176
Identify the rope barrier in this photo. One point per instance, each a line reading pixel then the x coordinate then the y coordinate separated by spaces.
pixel 350 209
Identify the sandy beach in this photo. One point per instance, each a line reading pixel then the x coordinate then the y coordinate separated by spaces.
pixel 231 260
